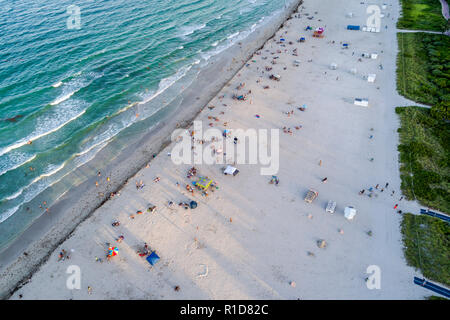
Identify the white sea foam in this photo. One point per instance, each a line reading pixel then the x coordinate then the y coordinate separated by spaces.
pixel 166 83
pixel 37 135
pixel 187 30
pixel 57 84
pixel 8 213
pixel 63 97
pixel 231 36
pixel 15 162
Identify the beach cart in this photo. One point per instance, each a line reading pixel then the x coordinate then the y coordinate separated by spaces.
pixel 331 206
pixel 311 195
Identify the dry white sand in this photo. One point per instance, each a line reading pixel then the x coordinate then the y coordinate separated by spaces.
pixel 265 246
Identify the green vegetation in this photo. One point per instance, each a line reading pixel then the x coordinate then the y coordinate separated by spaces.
pixel 424 157
pixel 436 298
pixel 423 70
pixel 427 246
pixel 422 15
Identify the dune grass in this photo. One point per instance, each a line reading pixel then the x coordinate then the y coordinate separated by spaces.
pixel 424 157
pixel 422 15
pixel 423 68
pixel 427 246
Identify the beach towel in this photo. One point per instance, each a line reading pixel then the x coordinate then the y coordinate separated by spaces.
pixel 153 258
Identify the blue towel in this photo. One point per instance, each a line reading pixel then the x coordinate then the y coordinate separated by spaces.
pixel 153 258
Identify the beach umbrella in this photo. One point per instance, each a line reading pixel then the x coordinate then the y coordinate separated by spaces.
pixel 113 251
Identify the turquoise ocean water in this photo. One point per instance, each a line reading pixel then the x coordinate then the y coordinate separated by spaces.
pixel 70 91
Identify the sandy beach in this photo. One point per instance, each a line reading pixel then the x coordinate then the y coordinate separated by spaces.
pixel 250 239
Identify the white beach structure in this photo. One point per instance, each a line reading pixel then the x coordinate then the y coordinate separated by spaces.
pixel 374 55
pixel 364 102
pixel 349 212
pixel 230 170
pixel 371 77
pixel 333 66
pixel 370 29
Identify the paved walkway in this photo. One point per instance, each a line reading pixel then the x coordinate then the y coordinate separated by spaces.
pixel 445 9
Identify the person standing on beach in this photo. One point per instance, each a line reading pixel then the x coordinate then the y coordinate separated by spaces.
pixel 396 205
pixel 376 187
pixel 387 184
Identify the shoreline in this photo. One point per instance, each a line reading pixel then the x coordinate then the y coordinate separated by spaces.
pixel 48 231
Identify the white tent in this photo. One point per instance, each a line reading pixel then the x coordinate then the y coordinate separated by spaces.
pixel 374 55
pixel 349 212
pixel 361 102
pixel 371 77
pixel 231 170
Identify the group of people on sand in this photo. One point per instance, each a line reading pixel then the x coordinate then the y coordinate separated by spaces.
pixel 63 255
pixel 381 189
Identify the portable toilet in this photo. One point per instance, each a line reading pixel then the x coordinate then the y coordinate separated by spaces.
pixel 349 212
